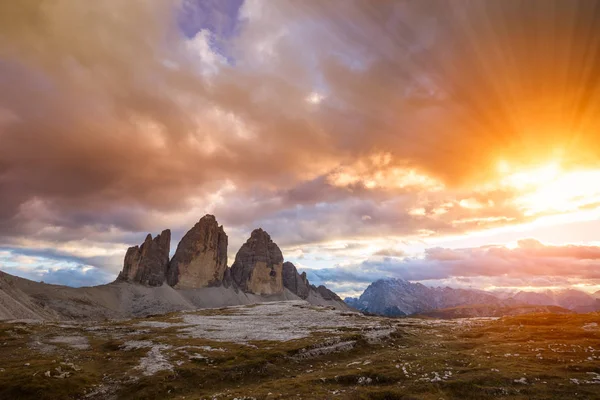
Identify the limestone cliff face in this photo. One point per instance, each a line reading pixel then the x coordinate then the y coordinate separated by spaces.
pixel 258 265
pixel 295 282
pixel 147 264
pixel 201 257
pixel 201 260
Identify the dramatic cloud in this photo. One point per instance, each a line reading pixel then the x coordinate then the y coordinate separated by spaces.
pixel 319 121
pixel 530 264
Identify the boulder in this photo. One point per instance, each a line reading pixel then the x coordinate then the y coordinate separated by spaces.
pixel 201 256
pixel 258 265
pixel 295 282
pixel 147 264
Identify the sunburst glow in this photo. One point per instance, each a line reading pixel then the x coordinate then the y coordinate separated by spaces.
pixel 550 189
pixel 385 127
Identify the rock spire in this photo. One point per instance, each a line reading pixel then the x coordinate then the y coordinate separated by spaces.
pixel 147 263
pixel 201 256
pixel 258 265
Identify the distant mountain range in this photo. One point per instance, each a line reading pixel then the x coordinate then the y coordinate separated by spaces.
pixel 398 297
pixel 571 299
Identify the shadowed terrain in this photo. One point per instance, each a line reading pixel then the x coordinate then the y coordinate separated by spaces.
pixel 283 350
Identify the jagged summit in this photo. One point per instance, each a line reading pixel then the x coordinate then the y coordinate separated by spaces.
pixel 299 285
pixel 295 282
pixel 200 261
pixel 147 263
pixel 196 277
pixel 260 232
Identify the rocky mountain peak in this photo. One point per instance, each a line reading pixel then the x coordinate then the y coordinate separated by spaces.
pixel 201 256
pixel 147 264
pixel 258 265
pixel 200 260
pixel 397 296
pixel 295 282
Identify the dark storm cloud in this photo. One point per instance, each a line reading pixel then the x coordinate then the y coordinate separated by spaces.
pixel 110 124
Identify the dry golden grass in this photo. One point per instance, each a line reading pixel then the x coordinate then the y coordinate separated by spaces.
pixel 526 357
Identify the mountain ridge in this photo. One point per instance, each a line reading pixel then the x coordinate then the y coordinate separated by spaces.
pixel 196 277
pixel 399 297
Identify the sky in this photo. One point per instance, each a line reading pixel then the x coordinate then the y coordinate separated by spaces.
pixel 448 142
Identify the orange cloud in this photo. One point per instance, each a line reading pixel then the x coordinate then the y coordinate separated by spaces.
pixel 322 121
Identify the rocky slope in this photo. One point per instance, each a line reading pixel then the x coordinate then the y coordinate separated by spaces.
pixel 17 304
pixel 24 299
pixel 201 256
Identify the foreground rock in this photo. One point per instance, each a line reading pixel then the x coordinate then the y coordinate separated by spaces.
pixel 258 265
pixel 201 257
pixel 278 321
pixel 147 264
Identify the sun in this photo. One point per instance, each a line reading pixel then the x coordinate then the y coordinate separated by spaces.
pixel 549 188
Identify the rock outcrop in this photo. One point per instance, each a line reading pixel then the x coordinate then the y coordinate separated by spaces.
pixel 201 256
pixel 200 262
pixel 258 265
pixel 326 293
pixel 295 282
pixel 147 264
